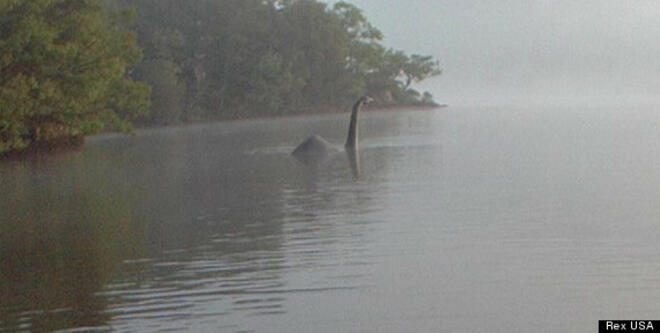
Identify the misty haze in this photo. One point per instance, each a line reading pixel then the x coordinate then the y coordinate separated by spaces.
pixel 328 166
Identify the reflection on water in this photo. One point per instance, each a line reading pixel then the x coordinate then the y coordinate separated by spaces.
pixel 442 218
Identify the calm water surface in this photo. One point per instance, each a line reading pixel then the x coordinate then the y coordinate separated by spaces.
pixel 461 220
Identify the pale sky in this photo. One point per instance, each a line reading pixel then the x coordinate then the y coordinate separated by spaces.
pixel 590 52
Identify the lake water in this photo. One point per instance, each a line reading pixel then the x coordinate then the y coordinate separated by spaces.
pixel 471 220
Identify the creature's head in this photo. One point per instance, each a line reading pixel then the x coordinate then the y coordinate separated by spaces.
pixel 364 100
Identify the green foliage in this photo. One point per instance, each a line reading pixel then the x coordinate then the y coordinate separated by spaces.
pixel 240 58
pixel 418 68
pixel 427 99
pixel 63 71
pixel 66 63
pixel 355 23
pixel 166 90
pixel 270 84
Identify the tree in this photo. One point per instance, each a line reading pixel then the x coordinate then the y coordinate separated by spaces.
pixel 315 41
pixel 63 69
pixel 242 58
pixel 377 68
pixel 356 24
pixel 418 68
pixel 166 90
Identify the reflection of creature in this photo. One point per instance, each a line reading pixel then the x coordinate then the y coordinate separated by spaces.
pixel 354 161
pixel 316 149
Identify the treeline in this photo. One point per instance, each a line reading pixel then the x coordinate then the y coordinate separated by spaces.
pixel 74 67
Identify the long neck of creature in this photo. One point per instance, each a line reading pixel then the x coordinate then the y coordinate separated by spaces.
pixel 352 140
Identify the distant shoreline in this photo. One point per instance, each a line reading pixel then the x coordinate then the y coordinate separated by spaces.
pixel 63 145
pixel 325 110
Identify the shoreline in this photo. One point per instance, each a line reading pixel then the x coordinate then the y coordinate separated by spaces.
pixel 68 144
pixel 326 110
pixel 42 148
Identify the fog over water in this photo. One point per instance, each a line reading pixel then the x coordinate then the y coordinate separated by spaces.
pixel 461 220
pixel 587 53
pixel 530 204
